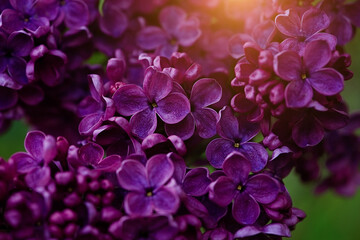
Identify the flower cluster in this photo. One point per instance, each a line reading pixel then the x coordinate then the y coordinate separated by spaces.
pixel 172 119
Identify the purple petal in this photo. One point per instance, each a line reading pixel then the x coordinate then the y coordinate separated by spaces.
pixel 96 86
pixel 333 119
pixel 91 154
pixel 159 170
pixel 89 123
pixel 184 129
pixel 236 44
pixel 217 150
pixel 205 92
pixel 8 98
pixel 17 70
pixel 262 188
pixel 298 94
pixel 341 27
pixel 205 120
pixel 109 164
pixel 49 149
pixel 288 23
pixel 137 204
pixel 150 38
pixel 143 123
pixel 21 43
pixel 196 181
pixel 314 20
pixel 256 154
pixel 11 20
pixel 245 209
pixel 222 191
pixel 277 229
pixel 23 162
pixel 327 81
pixel 187 34
pixel 237 167
pixel 132 176
pixel 227 126
pixel 113 21
pixel 171 17
pixel 165 201
pixel 157 85
pixel 173 108
pixel 31 94
pixel 307 132
pixel 38 177
pixel 34 144
pixel 352 12
pixel 263 33
pixel 130 99
pixel 72 10
pixel 287 65
pixel 317 54
pixel 329 38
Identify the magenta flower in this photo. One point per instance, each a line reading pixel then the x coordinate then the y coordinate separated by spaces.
pixel 176 30
pixel 146 186
pixel 154 99
pixel 236 133
pixel 307 74
pixel 246 191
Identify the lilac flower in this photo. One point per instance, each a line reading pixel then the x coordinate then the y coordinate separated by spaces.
pixel 41 150
pixel 113 20
pixel 307 73
pixel 204 92
pixel 304 30
pixel 96 108
pixel 92 155
pixel 246 191
pixel 150 227
pixel 146 184
pixel 24 15
pixel 154 99
pixel 115 136
pixel 156 144
pixel 272 229
pixel 342 18
pixel 12 50
pixel 175 28
pixel 235 133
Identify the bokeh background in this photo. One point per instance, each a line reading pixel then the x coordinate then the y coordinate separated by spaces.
pixel 329 216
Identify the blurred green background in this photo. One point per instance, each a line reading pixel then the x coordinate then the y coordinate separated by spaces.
pixel 329 216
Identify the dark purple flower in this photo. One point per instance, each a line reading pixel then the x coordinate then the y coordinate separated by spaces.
pixel 154 99
pixel 95 108
pixel 272 229
pixel 307 74
pixel 12 50
pixel 156 144
pixel 176 30
pixel 24 15
pixel 204 92
pixel 236 133
pixel 41 150
pixel 46 65
pixel 147 228
pixel 114 21
pixel 146 184
pixel 92 155
pixel 303 30
pixel 247 191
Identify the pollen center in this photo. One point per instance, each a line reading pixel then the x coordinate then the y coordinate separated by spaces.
pixel 239 187
pixel 149 193
pixel 236 145
pixel 154 105
pixel 303 76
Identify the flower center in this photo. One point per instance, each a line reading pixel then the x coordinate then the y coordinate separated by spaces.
pixel 237 145
pixel 154 105
pixel 303 76
pixel 239 187
pixel 149 193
